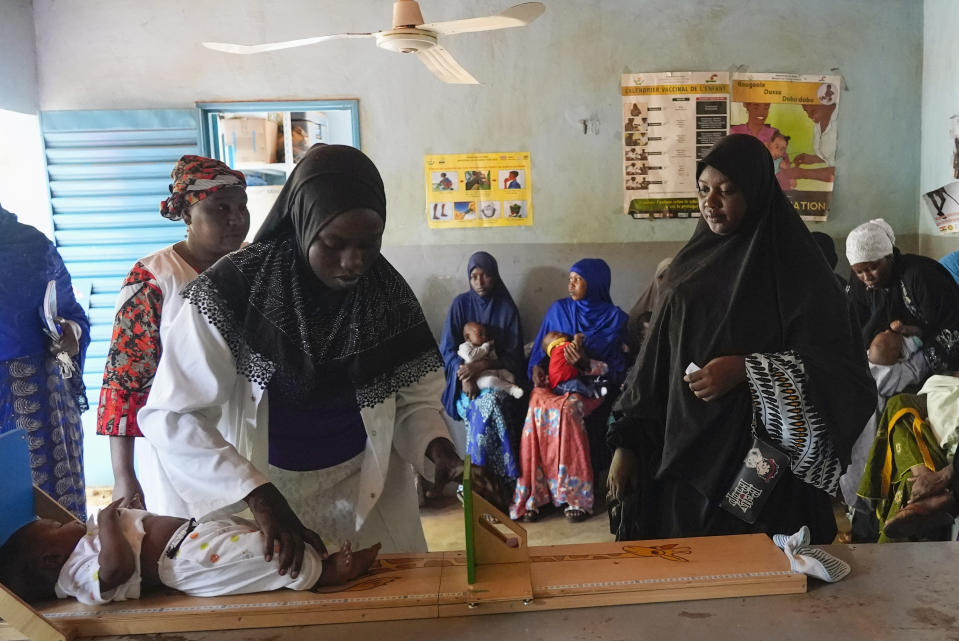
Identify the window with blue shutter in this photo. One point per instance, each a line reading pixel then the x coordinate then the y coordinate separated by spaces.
pixel 108 172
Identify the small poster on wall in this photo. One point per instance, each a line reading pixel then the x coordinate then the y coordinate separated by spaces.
pixel 943 205
pixel 478 190
pixel 670 120
pixel 796 117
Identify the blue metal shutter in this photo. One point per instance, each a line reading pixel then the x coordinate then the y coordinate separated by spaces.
pixel 108 172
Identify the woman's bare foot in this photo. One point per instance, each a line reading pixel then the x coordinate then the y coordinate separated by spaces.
pixel 346 565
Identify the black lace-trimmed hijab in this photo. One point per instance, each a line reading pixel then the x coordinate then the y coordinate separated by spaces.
pixel 285 328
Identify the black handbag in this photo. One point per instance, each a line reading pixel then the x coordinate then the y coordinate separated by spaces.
pixel 762 468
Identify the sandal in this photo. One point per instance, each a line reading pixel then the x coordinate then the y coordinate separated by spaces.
pixel 575 515
pixel 531 516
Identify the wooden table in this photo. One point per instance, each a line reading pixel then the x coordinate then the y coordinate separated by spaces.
pixel 904 591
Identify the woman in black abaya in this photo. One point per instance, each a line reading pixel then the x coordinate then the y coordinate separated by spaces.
pixel 750 300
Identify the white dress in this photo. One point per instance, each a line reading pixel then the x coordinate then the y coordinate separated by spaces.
pixel 146 306
pixel 209 427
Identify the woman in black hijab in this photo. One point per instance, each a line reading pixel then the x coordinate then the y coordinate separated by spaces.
pixel 312 318
pixel 750 300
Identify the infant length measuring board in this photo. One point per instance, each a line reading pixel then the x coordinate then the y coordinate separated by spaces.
pixel 415 586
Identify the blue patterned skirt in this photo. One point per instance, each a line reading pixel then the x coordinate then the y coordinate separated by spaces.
pixel 487 432
pixel 35 398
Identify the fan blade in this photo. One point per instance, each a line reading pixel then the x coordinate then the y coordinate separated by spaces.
pixel 441 63
pixel 518 16
pixel 227 47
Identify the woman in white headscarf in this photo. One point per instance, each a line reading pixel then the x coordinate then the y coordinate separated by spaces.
pixel 903 292
pixel 895 293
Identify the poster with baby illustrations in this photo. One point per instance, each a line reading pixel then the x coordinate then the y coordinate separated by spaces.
pixel 478 190
pixel 795 116
pixel 670 120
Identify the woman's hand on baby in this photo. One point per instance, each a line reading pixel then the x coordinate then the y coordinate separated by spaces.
pixel 469 371
pixel 717 378
pixel 470 388
pixel 575 355
pixel 283 532
pixel 128 490
pixel 116 558
pixel 906 330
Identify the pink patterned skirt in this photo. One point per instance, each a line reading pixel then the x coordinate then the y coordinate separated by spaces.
pixel 554 454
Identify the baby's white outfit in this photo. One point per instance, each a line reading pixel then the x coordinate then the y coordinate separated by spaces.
pixel 500 379
pixel 911 368
pixel 212 558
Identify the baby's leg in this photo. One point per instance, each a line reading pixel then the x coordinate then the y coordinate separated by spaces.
pixel 504 374
pixel 490 381
pixel 346 565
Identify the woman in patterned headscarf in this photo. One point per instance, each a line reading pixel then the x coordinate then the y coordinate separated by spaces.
pixel 751 302
pixel 314 319
pixel 211 199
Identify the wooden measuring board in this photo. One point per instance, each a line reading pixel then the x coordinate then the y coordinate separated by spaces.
pixel 507 576
pixel 403 586
pixel 594 574
pixel 497 551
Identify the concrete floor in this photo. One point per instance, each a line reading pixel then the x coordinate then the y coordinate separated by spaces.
pixel 444 526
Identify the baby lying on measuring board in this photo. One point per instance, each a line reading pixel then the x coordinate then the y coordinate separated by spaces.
pixel 107 559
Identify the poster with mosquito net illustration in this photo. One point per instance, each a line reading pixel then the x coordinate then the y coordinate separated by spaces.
pixel 478 190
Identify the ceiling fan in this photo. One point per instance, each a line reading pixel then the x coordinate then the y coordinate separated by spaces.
pixel 411 35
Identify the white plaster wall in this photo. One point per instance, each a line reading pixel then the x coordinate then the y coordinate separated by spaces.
pixel 134 54
pixel 23 186
pixel 18 73
pixel 23 178
pixel 940 101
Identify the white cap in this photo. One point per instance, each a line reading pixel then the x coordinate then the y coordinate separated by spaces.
pixel 870 241
pixel 886 228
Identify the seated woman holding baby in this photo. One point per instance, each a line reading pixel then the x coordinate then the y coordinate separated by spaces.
pixel 908 309
pixel 576 364
pixel 483 353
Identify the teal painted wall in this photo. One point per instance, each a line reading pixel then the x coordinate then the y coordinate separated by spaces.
pixel 536 81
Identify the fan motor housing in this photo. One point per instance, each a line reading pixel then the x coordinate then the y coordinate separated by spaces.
pixel 406 40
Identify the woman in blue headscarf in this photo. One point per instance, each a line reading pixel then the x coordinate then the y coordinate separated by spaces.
pixel 34 395
pixel 951 263
pixel 489 414
pixel 556 446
